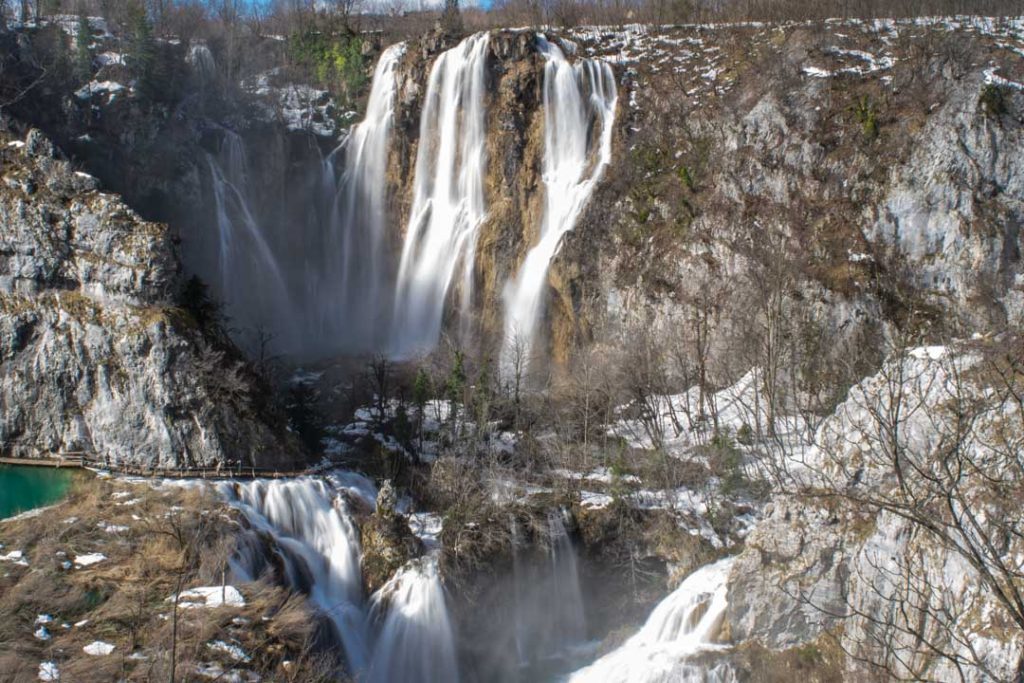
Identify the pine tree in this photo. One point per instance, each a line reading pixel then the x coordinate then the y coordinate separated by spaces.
pixel 420 396
pixel 83 51
pixel 142 51
pixel 456 383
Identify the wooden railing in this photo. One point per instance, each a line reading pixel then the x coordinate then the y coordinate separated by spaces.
pixel 84 460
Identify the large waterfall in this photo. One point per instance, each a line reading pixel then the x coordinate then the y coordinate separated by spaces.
pixel 357 279
pixel 316 267
pixel 683 626
pixel 402 633
pixel 448 198
pixel 579 110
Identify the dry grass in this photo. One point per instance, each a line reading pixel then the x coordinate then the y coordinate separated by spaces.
pixel 170 532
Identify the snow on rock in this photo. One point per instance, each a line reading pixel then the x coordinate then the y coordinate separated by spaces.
pixel 98 648
pixel 48 671
pixel 15 556
pixel 590 500
pixel 89 559
pixel 108 88
pixel 427 526
pixel 210 596
pixel 233 651
pixel 42 633
pixel 214 671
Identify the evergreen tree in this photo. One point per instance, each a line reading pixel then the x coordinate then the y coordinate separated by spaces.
pixel 456 383
pixel 420 396
pixel 142 51
pixel 83 51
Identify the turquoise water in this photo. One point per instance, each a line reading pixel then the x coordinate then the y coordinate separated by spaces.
pixel 23 488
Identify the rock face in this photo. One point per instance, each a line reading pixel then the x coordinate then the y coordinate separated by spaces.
pixel 96 358
pixel 865 553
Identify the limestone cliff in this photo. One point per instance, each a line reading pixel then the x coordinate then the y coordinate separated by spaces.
pixel 97 357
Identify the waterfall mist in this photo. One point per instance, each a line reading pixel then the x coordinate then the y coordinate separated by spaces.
pixel 579 110
pixel 448 198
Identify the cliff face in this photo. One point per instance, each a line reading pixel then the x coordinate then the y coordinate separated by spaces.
pixel 97 358
pixel 858 177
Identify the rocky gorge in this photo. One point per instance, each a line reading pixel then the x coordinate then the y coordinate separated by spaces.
pixel 762 417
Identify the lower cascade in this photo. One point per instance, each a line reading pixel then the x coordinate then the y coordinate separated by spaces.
pixel 402 633
pixel 683 626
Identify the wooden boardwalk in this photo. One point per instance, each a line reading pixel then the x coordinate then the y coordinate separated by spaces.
pixel 83 461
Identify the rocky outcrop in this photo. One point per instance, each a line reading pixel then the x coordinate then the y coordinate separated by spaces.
pixel 893 541
pixel 96 357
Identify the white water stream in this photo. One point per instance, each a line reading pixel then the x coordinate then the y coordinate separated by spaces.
pixel 579 111
pixel 402 633
pixel 683 626
pixel 448 199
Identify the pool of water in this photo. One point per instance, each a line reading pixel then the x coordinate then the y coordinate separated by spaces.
pixel 24 488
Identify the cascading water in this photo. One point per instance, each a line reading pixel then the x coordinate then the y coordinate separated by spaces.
pixel 403 633
pixel 350 290
pixel 683 626
pixel 579 110
pixel 244 254
pixel 549 621
pixel 320 547
pixel 448 198
pixel 415 644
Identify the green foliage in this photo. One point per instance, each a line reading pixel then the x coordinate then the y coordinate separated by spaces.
pixel 83 51
pixel 867 116
pixel 143 58
pixel 195 298
pixel 686 178
pixel 745 435
pixel 456 383
pixel 403 427
pixel 304 418
pixel 993 101
pixel 421 390
pixel 335 61
pixel 727 462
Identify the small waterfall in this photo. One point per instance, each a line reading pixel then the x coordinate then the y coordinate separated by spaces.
pixel 579 110
pixel 415 644
pixel 320 546
pixel 568 623
pixel 448 198
pixel 200 59
pixel 548 615
pixel 349 291
pixel 403 633
pixel 684 625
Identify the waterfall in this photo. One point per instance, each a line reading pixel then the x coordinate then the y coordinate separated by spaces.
pixel 568 623
pixel 320 545
pixel 684 625
pixel 448 198
pixel 348 292
pixel 244 253
pixel 579 110
pixel 415 644
pixel 403 633
pixel 548 617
